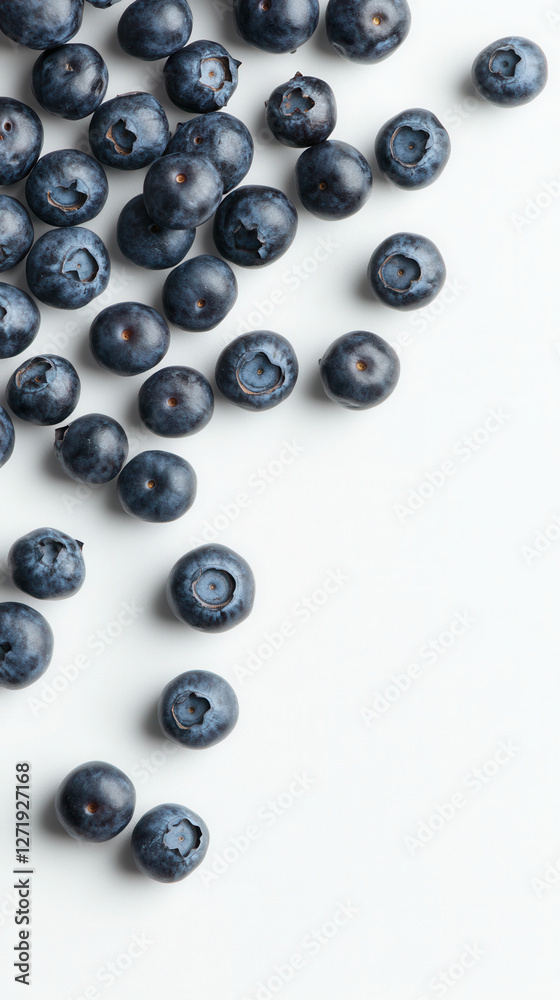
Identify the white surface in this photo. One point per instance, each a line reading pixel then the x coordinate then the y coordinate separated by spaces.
pixel 493 347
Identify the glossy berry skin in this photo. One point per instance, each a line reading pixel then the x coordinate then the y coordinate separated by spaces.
pixel 44 390
pixel 157 486
pixel 41 24
pixel 169 842
pixel 26 645
pixel 70 81
pixel 510 72
pixel 201 77
pixel 47 564
pixel 406 271
pixel 153 29
pixel 276 25
pixel 66 188
pixel 412 149
pixel 359 370
pixel 255 225
pixel 211 588
pixel 95 802
pixel 128 338
pixel 7 436
pixel 145 243
pixel 129 131
pixel 198 294
pixel 333 180
pixel 301 112
pixel 366 31
pixel 67 268
pixel 16 232
pixel 19 320
pixel 21 139
pixel 257 370
pixel 175 401
pixel 181 190
pixel 197 709
pixel 92 449
pixel 220 137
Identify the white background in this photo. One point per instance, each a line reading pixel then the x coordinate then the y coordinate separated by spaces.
pixel 491 344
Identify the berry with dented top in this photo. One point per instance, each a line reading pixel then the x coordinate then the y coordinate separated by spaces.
pixel 129 132
pixel 128 338
pixel 225 140
pixel 367 31
pixel 198 294
pixel 169 842
pixel 47 564
pixel 147 244
pixel 16 232
pixel 19 320
pixel 333 180
pixel 157 486
pixel 21 139
pixel 257 370
pixel 201 77
pixel 67 268
pixel 211 588
pixel 153 29
pixel 66 188
pixel 510 72
pixel 276 25
pixel 44 390
pixel 406 271
pixel 70 81
pixel 92 449
pixel 412 149
pixel 26 645
pixel 198 709
pixel 175 401
pixel 95 802
pixel 254 225
pixel 301 112
pixel 359 370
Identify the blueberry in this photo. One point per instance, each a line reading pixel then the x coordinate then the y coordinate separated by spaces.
pixel 257 370
pixel 255 225
pixel 16 232
pixel 201 77
pixel 92 449
pixel 47 564
pixel 359 370
pixel 44 390
pixel 157 486
pixel 66 188
pixel 26 645
pixel 406 271
pixel 211 588
pixel 19 320
pixel 21 139
pixel 70 81
pixel 301 112
pixel 175 401
pixel 67 268
pixel 276 25
pixel 128 338
pixel 95 802
pixel 181 190
pixel 153 29
pixel 510 72
pixel 197 709
pixel 333 180
pixel 367 31
pixel 41 24
pixel 129 131
pixel 7 436
pixel 103 3
pixel 147 244
pixel 198 294
pixel 168 842
pixel 412 148
pixel 225 140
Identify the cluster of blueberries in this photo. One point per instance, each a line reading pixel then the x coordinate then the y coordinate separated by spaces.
pixel 191 177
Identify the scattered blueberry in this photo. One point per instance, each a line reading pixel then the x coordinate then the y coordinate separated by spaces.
pixel 254 225
pixel 211 588
pixel 301 112
pixel 276 25
pixel 181 190
pixel 168 842
pixel 47 564
pixel 66 188
pixel 70 81
pixel 257 370
pixel 197 709
pixel 153 29
pixel 225 140
pixel 128 338
pixel 92 449
pixel 412 148
pixel 367 31
pixel 7 436
pixel 198 294
pixel 175 401
pixel 67 268
pixel 510 72
pixel 359 370
pixel 406 271
pixel 26 645
pixel 95 802
pixel 41 24
pixel 21 139
pixel 44 390
pixel 19 320
pixel 333 180
pixel 157 486
pixel 129 131
pixel 201 77
pixel 147 244
pixel 16 232
pixel 102 3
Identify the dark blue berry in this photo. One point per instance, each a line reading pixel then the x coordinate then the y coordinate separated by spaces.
pixel 359 370
pixel 70 81
pixel 257 370
pixel 201 77
pixel 19 320
pixel 95 802
pixel 198 294
pixel 128 338
pixel 7 436
pixel 181 190
pixel 175 401
pixel 157 486
pixel 168 842
pixel 198 709
pixel 412 148
pixel 301 112
pixel 103 3
pixel 41 24
pixel 276 25
pixel 129 131
pixel 367 31
pixel 406 271
pixel 92 449
pixel 333 180
pixel 21 139
pixel 16 232
pixel 67 268
pixel 225 140
pixel 26 645
pixel 510 72
pixel 211 588
pixel 153 29
pixel 254 225
pixel 148 244
pixel 44 390
pixel 47 564
pixel 66 188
